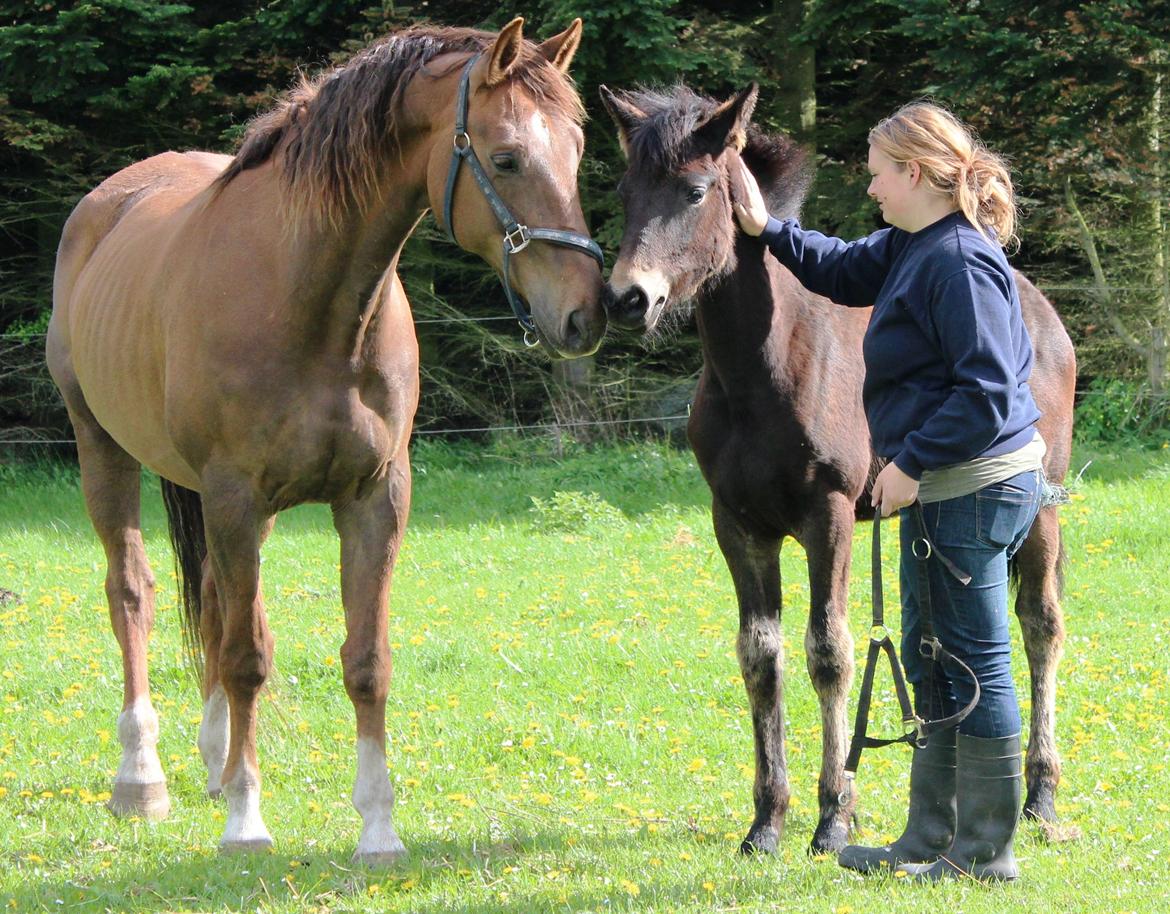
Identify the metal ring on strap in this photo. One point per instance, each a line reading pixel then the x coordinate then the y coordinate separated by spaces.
pixel 517 236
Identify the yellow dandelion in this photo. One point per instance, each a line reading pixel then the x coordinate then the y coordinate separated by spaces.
pixel 631 888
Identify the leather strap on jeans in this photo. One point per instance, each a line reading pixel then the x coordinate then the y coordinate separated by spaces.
pixel 880 641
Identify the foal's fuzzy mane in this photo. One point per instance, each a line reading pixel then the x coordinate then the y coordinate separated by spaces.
pixel 666 139
pixel 335 130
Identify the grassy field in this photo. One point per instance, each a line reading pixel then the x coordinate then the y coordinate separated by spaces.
pixel 568 728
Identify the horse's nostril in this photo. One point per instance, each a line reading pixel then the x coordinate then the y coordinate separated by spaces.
pixel 576 329
pixel 661 301
pixel 634 303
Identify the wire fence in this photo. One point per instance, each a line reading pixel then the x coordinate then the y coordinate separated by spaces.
pixel 33 343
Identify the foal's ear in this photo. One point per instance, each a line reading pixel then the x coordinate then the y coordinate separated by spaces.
pixel 625 114
pixel 560 48
pixel 727 125
pixel 505 51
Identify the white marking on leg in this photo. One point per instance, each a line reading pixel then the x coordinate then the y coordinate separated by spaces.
pixel 138 734
pixel 140 787
pixel 213 738
pixel 373 798
pixel 245 828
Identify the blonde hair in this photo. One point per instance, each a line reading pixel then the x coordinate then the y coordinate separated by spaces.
pixel 953 162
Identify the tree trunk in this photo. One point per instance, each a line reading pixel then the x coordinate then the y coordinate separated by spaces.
pixel 796 73
pixel 1159 242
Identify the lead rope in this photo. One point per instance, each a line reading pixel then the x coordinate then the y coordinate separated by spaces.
pixel 881 641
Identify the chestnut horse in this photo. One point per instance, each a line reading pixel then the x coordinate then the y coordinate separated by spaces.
pixel 237 326
pixel 778 429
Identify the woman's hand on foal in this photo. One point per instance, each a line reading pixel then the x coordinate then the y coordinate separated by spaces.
pixel 893 489
pixel 746 199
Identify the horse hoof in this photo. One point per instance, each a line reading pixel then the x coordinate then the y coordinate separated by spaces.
pixel 149 801
pixel 760 841
pixel 380 860
pixel 245 846
pixel 829 838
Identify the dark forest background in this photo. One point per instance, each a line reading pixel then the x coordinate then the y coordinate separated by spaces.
pixel 1073 94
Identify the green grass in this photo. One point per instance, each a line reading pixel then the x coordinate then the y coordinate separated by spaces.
pixel 568 731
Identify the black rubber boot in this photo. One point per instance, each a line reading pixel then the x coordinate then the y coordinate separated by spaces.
pixel 930 823
pixel 988 779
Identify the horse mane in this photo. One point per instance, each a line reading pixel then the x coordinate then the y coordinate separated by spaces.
pixel 665 139
pixel 331 133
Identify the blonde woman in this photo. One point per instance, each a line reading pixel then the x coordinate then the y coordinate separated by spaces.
pixel 946 396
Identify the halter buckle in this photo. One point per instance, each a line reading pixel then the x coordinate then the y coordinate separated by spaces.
pixel 879 633
pixel 531 340
pixel 916 725
pixel 926 545
pixel 517 239
pixel 461 142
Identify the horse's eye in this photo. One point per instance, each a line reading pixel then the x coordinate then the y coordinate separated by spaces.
pixel 696 194
pixel 505 162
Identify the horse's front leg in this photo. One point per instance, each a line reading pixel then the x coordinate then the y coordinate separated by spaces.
pixel 828 647
pixel 371 531
pixel 214 727
pixel 235 521
pixel 754 562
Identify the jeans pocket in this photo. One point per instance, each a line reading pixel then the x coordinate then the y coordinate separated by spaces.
pixel 1004 510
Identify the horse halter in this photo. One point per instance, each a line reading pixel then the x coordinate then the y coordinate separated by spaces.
pixel 516 235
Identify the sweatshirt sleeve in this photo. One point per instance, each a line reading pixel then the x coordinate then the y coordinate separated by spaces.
pixel 971 316
pixel 849 273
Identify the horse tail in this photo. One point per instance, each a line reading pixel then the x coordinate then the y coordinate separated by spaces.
pixel 185 519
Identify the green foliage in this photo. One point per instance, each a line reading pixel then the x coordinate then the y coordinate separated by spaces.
pixel 1115 412
pixel 572 512
pixel 88 87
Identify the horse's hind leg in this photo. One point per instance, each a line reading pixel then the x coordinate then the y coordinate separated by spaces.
pixel 755 572
pixel 371 531
pixel 215 724
pixel 1042 623
pixel 829 652
pixel 110 480
pixel 235 518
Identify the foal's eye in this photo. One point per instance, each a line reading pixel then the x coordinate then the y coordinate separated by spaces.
pixel 696 194
pixel 505 162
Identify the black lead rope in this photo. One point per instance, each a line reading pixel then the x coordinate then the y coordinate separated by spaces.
pixel 880 641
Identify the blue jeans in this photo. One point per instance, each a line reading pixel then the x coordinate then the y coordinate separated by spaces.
pixel 978 533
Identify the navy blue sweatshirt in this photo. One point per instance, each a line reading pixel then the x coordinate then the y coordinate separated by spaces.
pixel 947 356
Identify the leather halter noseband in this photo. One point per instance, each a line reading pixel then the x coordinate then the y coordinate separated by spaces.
pixel 516 235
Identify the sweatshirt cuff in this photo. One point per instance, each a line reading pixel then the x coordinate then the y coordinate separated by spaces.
pixel 908 465
pixel 772 229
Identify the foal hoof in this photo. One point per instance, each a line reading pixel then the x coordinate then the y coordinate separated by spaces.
pixel 831 837
pixel 149 801
pixel 245 846
pixel 1040 808
pixel 1041 803
pixel 760 840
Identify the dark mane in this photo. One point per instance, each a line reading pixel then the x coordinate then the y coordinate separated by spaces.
pixel 665 140
pixel 335 129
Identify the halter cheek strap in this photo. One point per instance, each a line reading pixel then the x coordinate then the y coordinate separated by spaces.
pixel 516 235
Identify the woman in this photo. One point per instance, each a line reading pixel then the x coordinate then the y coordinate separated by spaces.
pixel 946 396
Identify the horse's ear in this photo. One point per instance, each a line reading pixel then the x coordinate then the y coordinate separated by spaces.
pixel 560 48
pixel 727 125
pixel 625 114
pixel 505 51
